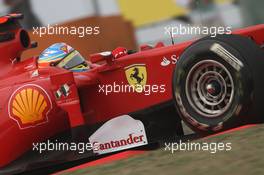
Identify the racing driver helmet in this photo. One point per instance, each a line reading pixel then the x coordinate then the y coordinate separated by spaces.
pixel 63 56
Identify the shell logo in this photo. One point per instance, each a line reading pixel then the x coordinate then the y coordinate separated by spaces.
pixel 29 106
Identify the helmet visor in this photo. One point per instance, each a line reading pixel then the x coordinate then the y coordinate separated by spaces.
pixel 74 61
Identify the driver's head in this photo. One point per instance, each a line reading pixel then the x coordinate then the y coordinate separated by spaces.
pixel 63 56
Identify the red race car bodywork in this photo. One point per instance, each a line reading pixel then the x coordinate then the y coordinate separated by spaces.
pixel 40 103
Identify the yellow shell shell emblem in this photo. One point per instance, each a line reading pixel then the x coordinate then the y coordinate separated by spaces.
pixel 136 76
pixel 29 106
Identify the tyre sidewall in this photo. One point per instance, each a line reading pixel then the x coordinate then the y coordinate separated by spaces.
pixel 241 78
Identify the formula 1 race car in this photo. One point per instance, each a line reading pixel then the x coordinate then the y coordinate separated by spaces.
pixel 123 99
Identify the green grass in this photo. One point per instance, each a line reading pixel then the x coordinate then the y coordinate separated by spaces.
pixel 246 157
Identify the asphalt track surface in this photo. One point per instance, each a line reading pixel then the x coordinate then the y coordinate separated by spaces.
pixel 130 153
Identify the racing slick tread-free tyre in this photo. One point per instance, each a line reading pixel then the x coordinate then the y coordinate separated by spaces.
pixel 213 82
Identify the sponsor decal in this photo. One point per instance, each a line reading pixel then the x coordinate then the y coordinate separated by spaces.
pixel 64 90
pixel 136 75
pixel 165 62
pixel 35 74
pixel 168 61
pixel 29 106
pixel 132 139
pixel 118 134
pixel 227 56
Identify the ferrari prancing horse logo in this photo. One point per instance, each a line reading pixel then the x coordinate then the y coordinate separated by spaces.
pixel 136 75
pixel 29 106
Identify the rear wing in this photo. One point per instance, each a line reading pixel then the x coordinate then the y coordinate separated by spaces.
pixel 8 25
pixel 10 18
pixel 14 16
pixel 13 39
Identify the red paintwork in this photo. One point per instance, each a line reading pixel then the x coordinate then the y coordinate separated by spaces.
pixel 84 105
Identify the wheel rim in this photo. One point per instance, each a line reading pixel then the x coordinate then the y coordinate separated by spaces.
pixel 209 88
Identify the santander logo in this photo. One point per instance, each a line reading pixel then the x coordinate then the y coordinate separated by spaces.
pixel 120 133
pixel 132 139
